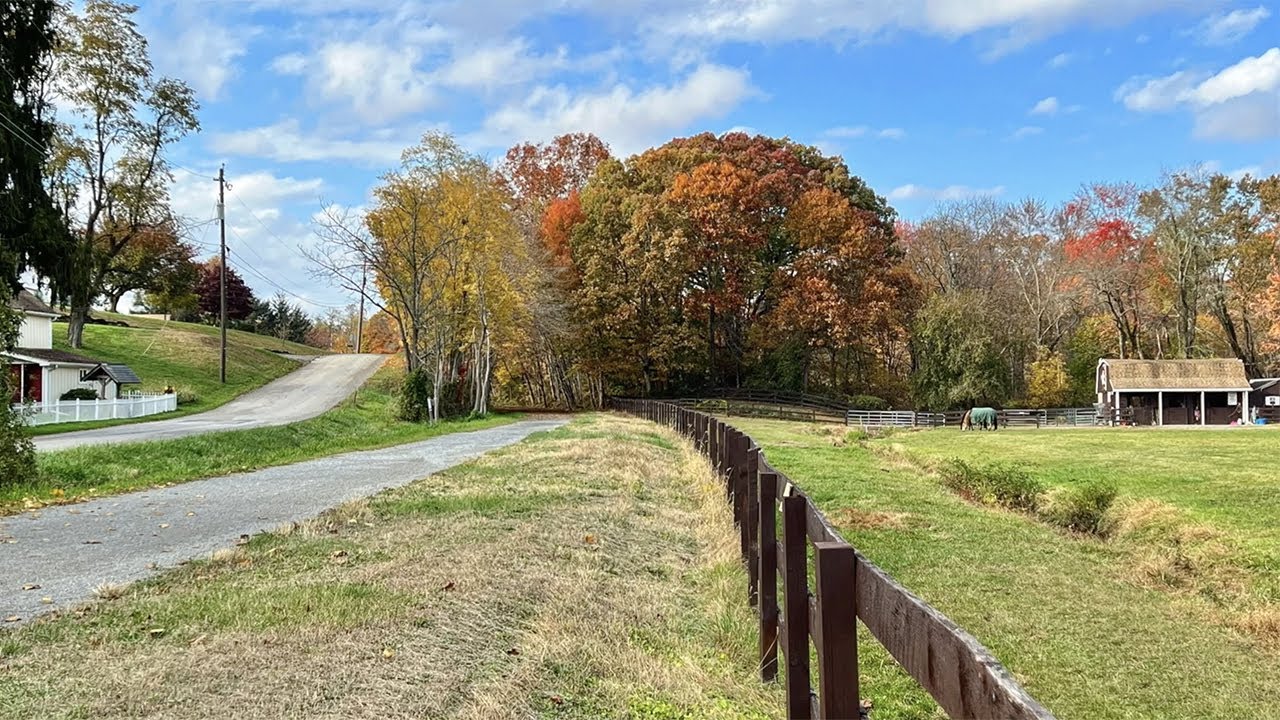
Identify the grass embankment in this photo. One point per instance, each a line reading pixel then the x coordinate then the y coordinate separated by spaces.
pixel 184 356
pixel 365 421
pixel 1088 625
pixel 589 572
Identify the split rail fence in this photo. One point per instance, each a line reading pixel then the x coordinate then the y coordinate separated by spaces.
pixel 780 533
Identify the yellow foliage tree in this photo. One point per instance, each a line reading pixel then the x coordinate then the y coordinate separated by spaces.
pixel 1048 385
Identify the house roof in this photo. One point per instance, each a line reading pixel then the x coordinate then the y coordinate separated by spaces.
pixel 1213 374
pixel 47 357
pixel 120 374
pixel 1264 383
pixel 27 302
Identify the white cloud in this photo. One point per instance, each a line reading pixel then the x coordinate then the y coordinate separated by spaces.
pixel 285 142
pixel 853 132
pixel 1047 106
pixel 1026 131
pixel 1061 60
pixel 1228 28
pixel 950 192
pixel 629 120
pixel 201 50
pixel 1240 102
pixel 290 64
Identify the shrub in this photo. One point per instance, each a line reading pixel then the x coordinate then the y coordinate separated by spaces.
pixel 868 402
pixel 998 484
pixel 187 397
pixel 415 396
pixel 1082 508
pixel 80 394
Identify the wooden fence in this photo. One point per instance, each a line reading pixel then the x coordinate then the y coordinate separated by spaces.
pixel 780 529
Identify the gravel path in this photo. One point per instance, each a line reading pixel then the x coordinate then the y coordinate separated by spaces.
pixel 317 386
pixel 70 549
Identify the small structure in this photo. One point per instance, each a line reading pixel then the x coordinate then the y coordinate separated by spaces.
pixel 1174 392
pixel 111 376
pixel 1265 399
pixel 41 373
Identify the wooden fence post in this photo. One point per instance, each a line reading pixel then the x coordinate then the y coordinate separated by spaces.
pixel 834 572
pixel 713 444
pixel 767 574
pixel 795 598
pixel 751 519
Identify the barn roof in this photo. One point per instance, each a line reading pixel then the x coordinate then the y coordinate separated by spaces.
pixel 1213 374
pixel 26 301
pixel 120 374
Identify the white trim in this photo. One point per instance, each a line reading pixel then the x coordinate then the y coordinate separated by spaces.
pixel 42 362
pixel 37 313
pixel 1187 390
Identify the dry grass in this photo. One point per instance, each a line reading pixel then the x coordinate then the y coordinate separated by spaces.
pixel 872 519
pixel 590 572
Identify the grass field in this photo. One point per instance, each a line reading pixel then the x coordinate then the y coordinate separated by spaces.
pixel 590 572
pixel 365 421
pixel 1178 620
pixel 184 356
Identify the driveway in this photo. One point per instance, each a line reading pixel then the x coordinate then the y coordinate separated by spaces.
pixel 68 550
pixel 304 393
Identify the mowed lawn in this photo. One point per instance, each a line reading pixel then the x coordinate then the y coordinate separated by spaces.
pixel 1093 628
pixel 589 572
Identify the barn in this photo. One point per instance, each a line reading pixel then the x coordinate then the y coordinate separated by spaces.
pixel 1174 392
pixel 1265 399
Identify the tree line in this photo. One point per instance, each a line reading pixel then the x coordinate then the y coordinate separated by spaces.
pixel 561 274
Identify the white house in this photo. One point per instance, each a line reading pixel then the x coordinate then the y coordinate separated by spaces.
pixel 41 373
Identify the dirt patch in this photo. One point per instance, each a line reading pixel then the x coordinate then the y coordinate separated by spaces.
pixel 872 519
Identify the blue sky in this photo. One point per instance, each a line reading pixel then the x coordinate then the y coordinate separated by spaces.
pixel 308 101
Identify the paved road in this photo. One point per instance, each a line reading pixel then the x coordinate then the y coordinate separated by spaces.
pixel 304 393
pixel 68 550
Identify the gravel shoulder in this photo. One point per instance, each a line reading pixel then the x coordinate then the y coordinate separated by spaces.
pixel 69 550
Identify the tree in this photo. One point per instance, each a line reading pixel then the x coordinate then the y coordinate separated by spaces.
pixel 959 358
pixel 108 170
pixel 156 262
pixel 17 454
pixel 282 319
pixel 32 232
pixel 240 300
pixel 1049 386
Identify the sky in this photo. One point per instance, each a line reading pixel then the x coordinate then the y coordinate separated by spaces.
pixel 307 102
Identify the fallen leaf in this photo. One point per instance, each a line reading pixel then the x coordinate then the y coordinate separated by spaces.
pixel 339 553
pixel 244 540
pixel 555 699
pixel 92 542
pixel 46 601
pixel 12 618
pixel 164 526
pixel 388 653
pixel 59 492
pixel 449 586
pixel 198 641
pixel 31 586
pixel 590 539
pixel 513 651
pixel 191 514
pixel 156 632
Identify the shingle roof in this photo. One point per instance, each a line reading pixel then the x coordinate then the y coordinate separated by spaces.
pixel 53 356
pixel 1214 374
pixel 26 301
pixel 121 374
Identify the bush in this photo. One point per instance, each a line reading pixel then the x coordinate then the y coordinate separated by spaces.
pixel 17 453
pixel 415 396
pixel 1082 508
pixel 187 397
pixel 80 394
pixel 998 484
pixel 868 402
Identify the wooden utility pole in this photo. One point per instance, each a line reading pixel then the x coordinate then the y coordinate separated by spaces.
pixel 222 271
pixel 364 271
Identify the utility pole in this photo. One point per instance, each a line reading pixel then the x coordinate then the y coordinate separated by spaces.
pixel 364 271
pixel 222 272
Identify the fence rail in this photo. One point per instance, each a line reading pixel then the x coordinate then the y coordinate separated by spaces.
pixel 66 411
pixel 779 528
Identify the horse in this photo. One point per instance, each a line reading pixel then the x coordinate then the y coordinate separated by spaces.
pixel 966 422
pixel 984 417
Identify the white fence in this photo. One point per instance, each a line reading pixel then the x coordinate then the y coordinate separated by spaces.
pixel 1055 417
pixel 64 411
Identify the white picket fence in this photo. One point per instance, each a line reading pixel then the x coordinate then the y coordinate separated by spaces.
pixel 65 411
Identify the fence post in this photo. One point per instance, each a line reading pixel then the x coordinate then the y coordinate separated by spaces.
pixel 795 597
pixel 713 444
pixel 767 573
pixel 751 521
pixel 834 573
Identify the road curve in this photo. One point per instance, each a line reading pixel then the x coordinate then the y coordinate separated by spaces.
pixel 62 552
pixel 304 393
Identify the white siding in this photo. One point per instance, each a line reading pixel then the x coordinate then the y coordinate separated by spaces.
pixel 37 332
pixel 62 379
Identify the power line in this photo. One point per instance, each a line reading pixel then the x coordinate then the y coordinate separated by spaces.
pixel 13 127
pixel 244 265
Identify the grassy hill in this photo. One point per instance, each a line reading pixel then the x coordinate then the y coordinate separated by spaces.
pixel 184 356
